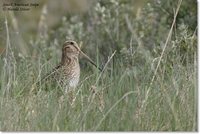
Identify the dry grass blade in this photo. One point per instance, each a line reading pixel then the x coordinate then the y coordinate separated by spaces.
pixel 105 67
pixel 161 56
pixel 84 116
pixel 125 95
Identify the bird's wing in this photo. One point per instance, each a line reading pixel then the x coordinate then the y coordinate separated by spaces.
pixel 52 73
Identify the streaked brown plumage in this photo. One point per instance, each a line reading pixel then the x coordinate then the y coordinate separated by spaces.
pixel 67 73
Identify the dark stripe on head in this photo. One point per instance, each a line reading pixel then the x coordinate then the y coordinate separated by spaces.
pixel 73 43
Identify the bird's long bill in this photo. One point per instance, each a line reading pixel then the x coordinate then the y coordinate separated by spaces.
pixel 90 60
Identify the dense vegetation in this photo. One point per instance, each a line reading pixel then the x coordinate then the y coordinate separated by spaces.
pixel 150 69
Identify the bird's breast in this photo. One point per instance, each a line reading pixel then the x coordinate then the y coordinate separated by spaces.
pixel 71 74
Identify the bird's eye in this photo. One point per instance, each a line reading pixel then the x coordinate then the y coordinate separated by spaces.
pixel 71 43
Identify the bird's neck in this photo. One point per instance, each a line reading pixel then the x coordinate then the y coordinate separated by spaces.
pixel 67 60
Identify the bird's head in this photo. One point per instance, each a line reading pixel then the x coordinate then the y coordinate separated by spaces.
pixel 71 50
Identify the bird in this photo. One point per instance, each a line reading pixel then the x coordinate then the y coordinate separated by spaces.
pixel 67 72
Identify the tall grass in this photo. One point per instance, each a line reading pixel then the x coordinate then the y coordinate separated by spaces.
pixel 138 90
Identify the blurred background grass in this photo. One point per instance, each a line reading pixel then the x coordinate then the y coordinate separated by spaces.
pixel 137 30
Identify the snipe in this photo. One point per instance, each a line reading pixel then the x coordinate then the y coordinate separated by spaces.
pixel 67 73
